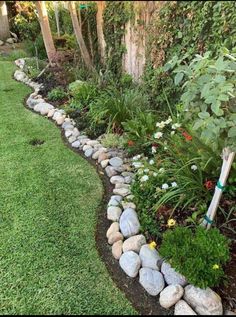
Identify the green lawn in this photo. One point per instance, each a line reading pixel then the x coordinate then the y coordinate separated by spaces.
pixel 48 201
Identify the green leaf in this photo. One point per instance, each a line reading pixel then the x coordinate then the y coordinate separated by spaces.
pixel 178 78
pixel 215 107
pixel 204 115
pixel 232 132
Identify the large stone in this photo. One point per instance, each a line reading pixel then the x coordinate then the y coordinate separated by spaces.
pixel 88 152
pixel 43 108
pixel 97 153
pixel 68 133
pixel 203 301
pixel 32 102
pixel 171 276
pixel 1 43
pixel 114 237
pixel 60 120
pixel 129 223
pixel 114 227
pixel 116 161
pixel 113 213
pixel 20 76
pixel 51 113
pixel 122 185
pixel 150 257
pixel 10 41
pixel 182 309
pixel 127 204
pixel 75 132
pixel 171 295
pixel 72 139
pixel 67 126
pixel 110 171
pixel 130 263
pixel 92 142
pixel 117 180
pixel 76 144
pixel 134 243
pixel 151 280
pixel 86 147
pixel 113 202
pixel 104 163
pixel 103 156
pixel 121 191
pixel 117 249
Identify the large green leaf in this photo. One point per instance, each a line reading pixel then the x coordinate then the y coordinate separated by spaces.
pixel 178 78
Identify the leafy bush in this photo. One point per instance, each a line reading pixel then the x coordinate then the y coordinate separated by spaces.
pixel 83 93
pixel 209 97
pixel 198 255
pixel 110 140
pixel 34 66
pixel 57 93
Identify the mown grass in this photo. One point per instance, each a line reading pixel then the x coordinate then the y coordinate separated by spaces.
pixel 48 201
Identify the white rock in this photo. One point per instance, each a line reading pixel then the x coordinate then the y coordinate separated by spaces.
pixel 10 41
pixel 67 125
pixel 129 223
pixel 171 276
pixel 75 132
pixel 134 243
pixel 68 133
pixel 117 180
pixel 117 197
pixel 86 147
pixel 116 162
pixel 88 152
pixel 171 295
pixel 110 171
pixel 182 309
pixel 203 301
pixel 130 263
pixel 117 249
pixel 151 280
pixel 76 144
pixel 114 227
pixel 126 204
pixel 121 191
pixel 113 213
pixel 20 76
pixel 60 120
pixel 1 43
pixel 32 102
pixel 51 113
pixel 92 142
pixel 114 237
pixel 150 257
pixel 72 139
pixel 43 108
pixel 104 163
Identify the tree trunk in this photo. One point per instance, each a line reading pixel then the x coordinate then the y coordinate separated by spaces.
pixel 55 6
pixel 4 24
pixel 100 34
pixel 90 42
pixel 46 31
pixel 79 36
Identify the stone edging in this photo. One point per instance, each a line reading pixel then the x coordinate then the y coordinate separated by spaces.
pixel 135 256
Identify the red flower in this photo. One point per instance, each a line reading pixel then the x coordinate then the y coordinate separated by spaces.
pixel 209 185
pixel 130 143
pixel 187 136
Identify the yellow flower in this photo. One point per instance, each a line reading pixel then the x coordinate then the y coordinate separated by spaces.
pixel 171 223
pixel 215 267
pixel 152 245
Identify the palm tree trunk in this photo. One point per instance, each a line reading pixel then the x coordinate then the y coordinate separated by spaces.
pixel 4 24
pixel 100 34
pixel 78 33
pixel 46 31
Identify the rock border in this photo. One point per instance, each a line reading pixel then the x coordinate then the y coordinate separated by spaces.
pixel 129 247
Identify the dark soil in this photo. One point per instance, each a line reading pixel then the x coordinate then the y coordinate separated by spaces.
pixel 36 142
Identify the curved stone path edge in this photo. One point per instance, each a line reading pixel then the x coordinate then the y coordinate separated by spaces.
pixel 135 256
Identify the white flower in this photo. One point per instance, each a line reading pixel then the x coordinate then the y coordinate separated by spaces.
pixel 194 167
pixel 161 170
pixel 146 170
pixel 172 132
pixel 151 162
pixel 169 120
pixel 137 164
pixel 165 148
pixel 165 186
pixel 175 126
pixel 144 178
pixel 158 135
pixel 154 149
pixel 160 125
pixel 140 171
pixel 136 158
pixel 174 184
pixel 155 174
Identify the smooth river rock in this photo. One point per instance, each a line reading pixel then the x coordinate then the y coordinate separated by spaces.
pixel 171 295
pixel 114 227
pixel 117 249
pixel 130 263
pixel 134 243
pixel 151 280
pixel 171 276
pixel 203 301
pixel 150 257
pixel 116 162
pixel 129 223
pixel 182 309
pixel 114 237
pixel 113 213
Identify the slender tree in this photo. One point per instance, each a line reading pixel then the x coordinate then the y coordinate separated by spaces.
pixel 56 12
pixel 78 33
pixel 100 34
pixel 4 24
pixel 46 31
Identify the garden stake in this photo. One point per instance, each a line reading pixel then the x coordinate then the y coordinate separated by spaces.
pixel 228 158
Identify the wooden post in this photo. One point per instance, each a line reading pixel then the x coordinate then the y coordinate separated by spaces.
pixel 4 24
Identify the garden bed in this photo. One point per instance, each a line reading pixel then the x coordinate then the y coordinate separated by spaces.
pixel 74 144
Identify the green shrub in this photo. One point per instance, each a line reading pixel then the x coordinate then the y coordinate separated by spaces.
pixel 111 140
pixel 198 255
pixel 83 93
pixel 57 93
